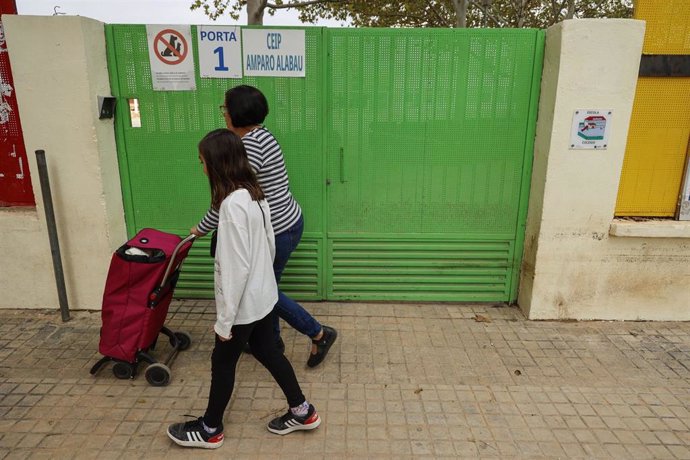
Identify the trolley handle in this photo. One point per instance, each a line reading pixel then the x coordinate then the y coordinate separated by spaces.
pixel 191 237
pixel 157 293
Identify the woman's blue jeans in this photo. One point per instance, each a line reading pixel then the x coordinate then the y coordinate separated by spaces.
pixel 292 312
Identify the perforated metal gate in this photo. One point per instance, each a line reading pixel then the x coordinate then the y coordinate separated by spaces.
pixel 409 151
pixel 659 134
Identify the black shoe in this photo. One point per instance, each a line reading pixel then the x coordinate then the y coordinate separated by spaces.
pixel 322 346
pixel 193 434
pixel 289 422
pixel 280 344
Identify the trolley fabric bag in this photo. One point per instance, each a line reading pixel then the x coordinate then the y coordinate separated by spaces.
pixel 138 290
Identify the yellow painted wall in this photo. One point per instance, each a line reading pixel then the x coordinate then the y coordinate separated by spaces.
pixel 660 125
pixel 668 26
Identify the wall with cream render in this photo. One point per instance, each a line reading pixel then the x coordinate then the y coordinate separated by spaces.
pixel 579 262
pixel 60 69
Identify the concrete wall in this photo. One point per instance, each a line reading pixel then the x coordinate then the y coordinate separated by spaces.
pixel 59 68
pixel 579 262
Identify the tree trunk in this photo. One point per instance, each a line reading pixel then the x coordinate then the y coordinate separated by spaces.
pixel 571 9
pixel 255 12
pixel 460 12
pixel 486 6
pixel 521 14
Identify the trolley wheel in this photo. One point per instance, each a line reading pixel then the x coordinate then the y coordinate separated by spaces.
pixel 123 370
pixel 185 341
pixel 158 374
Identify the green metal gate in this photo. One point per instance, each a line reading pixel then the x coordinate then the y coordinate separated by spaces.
pixel 408 149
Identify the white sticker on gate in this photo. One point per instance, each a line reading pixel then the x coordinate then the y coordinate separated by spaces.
pixel 171 57
pixel 220 51
pixel 273 53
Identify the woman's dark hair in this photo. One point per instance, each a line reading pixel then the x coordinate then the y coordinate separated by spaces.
pixel 227 166
pixel 246 106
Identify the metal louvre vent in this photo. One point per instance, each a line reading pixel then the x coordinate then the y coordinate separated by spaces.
pixel 411 269
pixel 301 278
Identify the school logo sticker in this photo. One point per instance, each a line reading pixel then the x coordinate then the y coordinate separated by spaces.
pixel 590 129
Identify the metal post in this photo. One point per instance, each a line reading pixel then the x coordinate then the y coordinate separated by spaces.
pixel 684 199
pixel 52 233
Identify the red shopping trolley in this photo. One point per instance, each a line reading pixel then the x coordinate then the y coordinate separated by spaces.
pixel 138 290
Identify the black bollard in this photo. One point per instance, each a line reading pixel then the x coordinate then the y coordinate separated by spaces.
pixel 52 233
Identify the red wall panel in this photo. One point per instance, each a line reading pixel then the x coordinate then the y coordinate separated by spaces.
pixel 15 182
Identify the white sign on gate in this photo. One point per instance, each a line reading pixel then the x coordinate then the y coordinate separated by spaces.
pixel 273 53
pixel 171 57
pixel 220 51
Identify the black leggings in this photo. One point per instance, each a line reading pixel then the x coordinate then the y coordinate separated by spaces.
pixel 224 359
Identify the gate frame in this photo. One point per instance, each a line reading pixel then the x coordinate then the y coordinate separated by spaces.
pixel 530 137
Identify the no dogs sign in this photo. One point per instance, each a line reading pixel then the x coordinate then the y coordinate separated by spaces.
pixel 171 57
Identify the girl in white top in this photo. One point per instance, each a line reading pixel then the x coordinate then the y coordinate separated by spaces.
pixel 245 291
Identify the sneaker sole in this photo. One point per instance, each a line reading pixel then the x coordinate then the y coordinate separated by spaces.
pixel 201 444
pixel 313 425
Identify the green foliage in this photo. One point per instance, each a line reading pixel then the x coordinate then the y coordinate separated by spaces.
pixel 217 8
pixel 422 13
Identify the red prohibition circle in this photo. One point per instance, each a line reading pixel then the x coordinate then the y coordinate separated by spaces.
pixel 180 56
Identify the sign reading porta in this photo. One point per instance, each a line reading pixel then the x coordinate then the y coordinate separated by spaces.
pixel 590 129
pixel 274 53
pixel 171 57
pixel 220 51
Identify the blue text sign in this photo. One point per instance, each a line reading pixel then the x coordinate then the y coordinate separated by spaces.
pixel 274 53
pixel 220 51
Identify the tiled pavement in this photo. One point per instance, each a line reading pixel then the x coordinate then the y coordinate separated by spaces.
pixel 455 381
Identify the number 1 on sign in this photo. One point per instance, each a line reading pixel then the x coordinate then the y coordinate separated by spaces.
pixel 221 60
pixel 220 51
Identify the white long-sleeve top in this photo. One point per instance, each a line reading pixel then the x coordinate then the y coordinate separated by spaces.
pixel 245 284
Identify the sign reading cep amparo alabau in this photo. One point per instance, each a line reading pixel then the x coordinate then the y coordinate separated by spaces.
pixel 220 51
pixel 171 57
pixel 273 53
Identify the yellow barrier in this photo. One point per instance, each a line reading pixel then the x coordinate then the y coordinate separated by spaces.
pixel 668 25
pixel 660 124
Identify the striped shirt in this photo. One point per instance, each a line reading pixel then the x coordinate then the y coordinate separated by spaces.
pixel 266 158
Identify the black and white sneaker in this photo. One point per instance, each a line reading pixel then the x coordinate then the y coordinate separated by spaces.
pixel 193 434
pixel 289 422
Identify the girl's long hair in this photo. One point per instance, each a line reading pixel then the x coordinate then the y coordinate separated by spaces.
pixel 227 166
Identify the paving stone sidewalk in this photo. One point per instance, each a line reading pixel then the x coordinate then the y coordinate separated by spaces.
pixel 402 381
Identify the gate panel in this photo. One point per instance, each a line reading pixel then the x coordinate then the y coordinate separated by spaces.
pixel 409 151
pixel 427 140
pixel 163 184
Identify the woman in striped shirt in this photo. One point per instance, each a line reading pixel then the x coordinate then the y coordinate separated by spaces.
pixel 245 110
